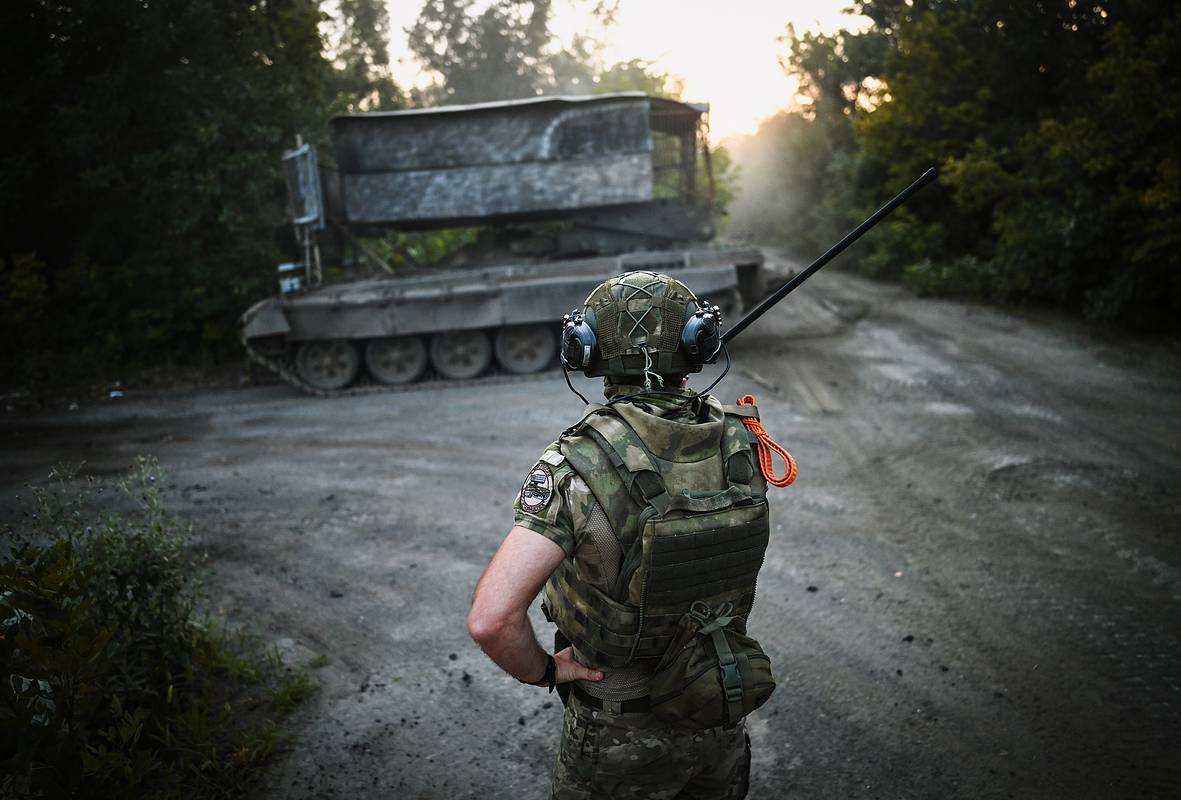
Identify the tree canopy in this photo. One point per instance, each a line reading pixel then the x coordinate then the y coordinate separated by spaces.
pixel 1056 144
pixel 138 174
pixel 504 50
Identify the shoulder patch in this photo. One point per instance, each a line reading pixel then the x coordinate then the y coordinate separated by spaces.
pixel 538 488
pixel 552 457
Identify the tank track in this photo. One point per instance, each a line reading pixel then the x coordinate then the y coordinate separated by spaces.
pixel 365 384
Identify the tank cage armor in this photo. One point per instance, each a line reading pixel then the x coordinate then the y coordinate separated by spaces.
pixel 677 547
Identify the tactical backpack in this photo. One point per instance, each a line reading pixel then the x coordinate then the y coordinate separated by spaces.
pixel 686 581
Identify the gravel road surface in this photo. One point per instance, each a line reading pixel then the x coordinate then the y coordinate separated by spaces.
pixel 973 589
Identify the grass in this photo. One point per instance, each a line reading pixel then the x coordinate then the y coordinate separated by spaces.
pixel 113 684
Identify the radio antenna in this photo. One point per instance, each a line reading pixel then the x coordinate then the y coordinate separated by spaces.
pixel 833 252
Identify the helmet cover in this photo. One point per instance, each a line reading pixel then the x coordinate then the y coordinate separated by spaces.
pixel 638 318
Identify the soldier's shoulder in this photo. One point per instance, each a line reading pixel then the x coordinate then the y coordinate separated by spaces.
pixel 555 461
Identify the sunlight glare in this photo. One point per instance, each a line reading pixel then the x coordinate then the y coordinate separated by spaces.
pixel 726 54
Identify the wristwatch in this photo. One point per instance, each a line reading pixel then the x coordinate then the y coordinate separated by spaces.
pixel 549 678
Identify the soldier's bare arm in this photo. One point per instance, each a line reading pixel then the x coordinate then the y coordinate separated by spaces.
pixel 499 619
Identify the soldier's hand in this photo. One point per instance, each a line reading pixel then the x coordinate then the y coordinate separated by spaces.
pixel 567 669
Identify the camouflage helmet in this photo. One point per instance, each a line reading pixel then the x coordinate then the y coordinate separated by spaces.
pixel 641 323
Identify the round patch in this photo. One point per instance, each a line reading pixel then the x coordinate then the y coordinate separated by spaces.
pixel 538 488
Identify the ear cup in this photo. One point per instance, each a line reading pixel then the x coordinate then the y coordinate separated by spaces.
pixel 579 343
pixel 701 338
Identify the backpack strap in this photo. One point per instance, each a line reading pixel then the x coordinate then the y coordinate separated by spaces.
pixel 731 676
pixel 738 444
pixel 728 665
pixel 631 459
pixel 641 474
pixel 591 410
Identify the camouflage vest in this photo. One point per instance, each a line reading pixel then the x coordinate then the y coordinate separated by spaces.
pixel 688 512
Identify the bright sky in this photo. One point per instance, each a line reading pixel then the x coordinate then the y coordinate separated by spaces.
pixel 725 52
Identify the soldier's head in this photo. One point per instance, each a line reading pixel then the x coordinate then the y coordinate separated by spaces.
pixel 640 324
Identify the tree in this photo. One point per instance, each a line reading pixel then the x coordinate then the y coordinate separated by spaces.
pixel 637 75
pixel 505 50
pixel 498 53
pixel 139 185
pixel 1059 175
pixel 801 169
pixel 358 46
pixel 1056 150
pixel 1093 207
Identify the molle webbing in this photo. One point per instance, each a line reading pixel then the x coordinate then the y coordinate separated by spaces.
pixel 691 566
pixel 603 629
pixel 748 411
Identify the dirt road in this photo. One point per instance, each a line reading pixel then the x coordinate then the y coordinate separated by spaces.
pixel 973 589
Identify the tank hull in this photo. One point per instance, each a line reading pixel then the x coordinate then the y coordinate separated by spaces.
pixel 426 306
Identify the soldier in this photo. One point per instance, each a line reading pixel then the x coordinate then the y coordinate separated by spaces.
pixel 646 522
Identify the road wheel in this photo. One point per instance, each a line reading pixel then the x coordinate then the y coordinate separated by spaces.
pixel 399 359
pixel 461 354
pixel 328 365
pixel 526 348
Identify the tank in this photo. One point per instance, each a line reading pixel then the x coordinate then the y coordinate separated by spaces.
pixel 565 191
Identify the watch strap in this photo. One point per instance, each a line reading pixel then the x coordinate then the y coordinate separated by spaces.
pixel 549 677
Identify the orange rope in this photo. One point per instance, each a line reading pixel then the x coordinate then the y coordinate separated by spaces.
pixel 766 447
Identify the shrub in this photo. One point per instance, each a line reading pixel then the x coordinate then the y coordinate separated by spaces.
pixel 113 685
pixel 966 277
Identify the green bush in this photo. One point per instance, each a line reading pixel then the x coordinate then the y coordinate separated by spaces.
pixel 113 685
pixel 966 276
pixel 1060 176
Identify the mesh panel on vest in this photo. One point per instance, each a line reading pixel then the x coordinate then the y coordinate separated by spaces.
pixel 598 528
pixel 625 683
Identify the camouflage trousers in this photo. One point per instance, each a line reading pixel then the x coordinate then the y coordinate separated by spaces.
pixel 639 757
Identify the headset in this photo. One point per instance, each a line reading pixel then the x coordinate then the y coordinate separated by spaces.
pixel 701 339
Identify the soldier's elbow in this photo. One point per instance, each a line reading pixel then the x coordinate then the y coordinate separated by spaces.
pixel 484 625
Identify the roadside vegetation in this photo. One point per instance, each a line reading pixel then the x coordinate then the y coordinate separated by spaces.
pixel 113 682
pixel 1060 176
